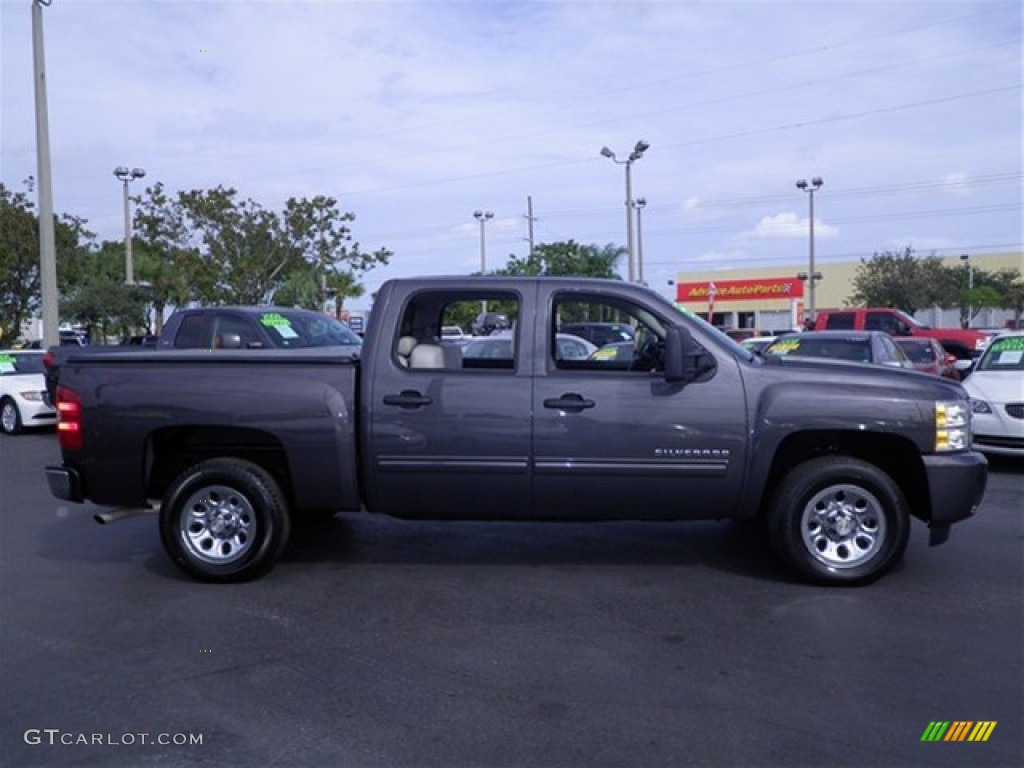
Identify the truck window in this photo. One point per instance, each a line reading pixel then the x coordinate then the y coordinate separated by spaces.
pixel 840 321
pixel 885 321
pixel 230 324
pixel 638 347
pixel 196 332
pixel 421 342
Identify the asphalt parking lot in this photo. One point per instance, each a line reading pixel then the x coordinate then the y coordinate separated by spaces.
pixel 377 642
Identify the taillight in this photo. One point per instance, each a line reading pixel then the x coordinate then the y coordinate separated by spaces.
pixel 69 419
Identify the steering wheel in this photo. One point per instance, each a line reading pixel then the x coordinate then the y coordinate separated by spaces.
pixel 647 351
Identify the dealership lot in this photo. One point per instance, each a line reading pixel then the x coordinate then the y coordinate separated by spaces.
pixel 377 642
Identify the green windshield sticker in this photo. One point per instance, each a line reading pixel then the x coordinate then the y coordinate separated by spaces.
pixel 274 320
pixel 8 359
pixel 1013 342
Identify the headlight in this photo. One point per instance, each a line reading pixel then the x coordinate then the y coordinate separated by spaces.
pixel 980 406
pixel 35 397
pixel 952 426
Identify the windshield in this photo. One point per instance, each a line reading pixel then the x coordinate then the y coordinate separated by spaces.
pixel 855 350
pixel 918 353
pixel 15 363
pixel 307 329
pixel 1006 354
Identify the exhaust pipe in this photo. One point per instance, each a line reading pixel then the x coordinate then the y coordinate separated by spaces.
pixel 122 513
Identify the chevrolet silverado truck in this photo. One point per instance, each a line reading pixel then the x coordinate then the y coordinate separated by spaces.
pixel 232 447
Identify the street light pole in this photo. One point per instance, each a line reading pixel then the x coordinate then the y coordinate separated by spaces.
pixel 483 217
pixel 812 276
pixel 47 238
pixel 966 258
pixel 639 204
pixel 126 175
pixel 636 154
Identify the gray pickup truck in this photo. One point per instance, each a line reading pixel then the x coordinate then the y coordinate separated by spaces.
pixel 231 447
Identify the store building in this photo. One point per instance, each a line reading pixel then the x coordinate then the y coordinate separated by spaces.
pixel 775 298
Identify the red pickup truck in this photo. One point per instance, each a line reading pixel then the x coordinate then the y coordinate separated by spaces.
pixel 965 344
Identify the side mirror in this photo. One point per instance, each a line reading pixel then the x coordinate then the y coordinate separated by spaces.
pixel 684 359
pixel 228 341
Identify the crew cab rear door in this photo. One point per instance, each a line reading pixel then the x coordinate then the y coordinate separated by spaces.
pixel 447 425
pixel 613 439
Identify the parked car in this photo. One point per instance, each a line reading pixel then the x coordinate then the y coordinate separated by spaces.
pixel 928 356
pixel 454 334
pixel 487 323
pixel 742 334
pixel 599 334
pixel 852 346
pixel 501 346
pixel 23 399
pixel 758 344
pixel 224 328
pixel 996 389
pixel 962 342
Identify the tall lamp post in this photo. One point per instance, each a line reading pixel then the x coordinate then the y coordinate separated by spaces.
pixel 636 154
pixel 47 238
pixel 638 205
pixel 812 276
pixel 483 217
pixel 126 175
pixel 966 259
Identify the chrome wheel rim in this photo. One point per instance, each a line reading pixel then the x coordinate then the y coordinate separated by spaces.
pixel 218 524
pixel 843 526
pixel 9 417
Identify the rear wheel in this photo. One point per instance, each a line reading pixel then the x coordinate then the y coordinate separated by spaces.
pixel 224 520
pixel 839 520
pixel 10 417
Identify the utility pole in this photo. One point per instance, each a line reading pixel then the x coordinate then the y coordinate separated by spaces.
pixel 47 239
pixel 530 218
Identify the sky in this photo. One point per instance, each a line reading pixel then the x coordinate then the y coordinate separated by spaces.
pixel 416 114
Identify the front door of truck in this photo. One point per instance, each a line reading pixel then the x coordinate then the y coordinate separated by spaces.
pixel 613 439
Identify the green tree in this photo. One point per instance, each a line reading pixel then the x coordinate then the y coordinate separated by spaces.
pixel 567 259
pixel 165 257
pixel 20 293
pixel 902 280
pixel 96 294
pixel 250 255
pixel 19 262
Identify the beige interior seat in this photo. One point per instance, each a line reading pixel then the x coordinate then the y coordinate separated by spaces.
pixel 427 356
pixel 406 344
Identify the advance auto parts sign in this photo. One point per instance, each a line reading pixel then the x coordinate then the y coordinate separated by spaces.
pixel 742 290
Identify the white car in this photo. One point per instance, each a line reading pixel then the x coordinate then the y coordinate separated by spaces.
pixel 996 387
pixel 23 401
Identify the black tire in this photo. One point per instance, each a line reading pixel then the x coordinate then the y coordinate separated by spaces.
pixel 10 417
pixel 224 520
pixel 837 520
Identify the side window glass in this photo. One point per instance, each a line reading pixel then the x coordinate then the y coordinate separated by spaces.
pixel 596 333
pixel 459 331
pixel 195 332
pixel 840 321
pixel 229 324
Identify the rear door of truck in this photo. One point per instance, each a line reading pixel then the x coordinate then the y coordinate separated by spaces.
pixel 446 426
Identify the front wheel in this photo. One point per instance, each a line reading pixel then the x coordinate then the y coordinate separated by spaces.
pixel 839 520
pixel 224 520
pixel 10 417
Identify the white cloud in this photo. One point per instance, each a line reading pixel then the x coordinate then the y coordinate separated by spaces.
pixel 791 225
